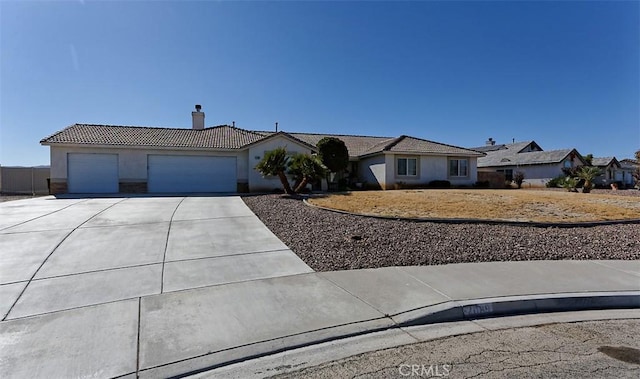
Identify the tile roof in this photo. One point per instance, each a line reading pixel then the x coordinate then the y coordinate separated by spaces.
pixel 509 157
pixel 515 147
pixel 218 137
pixel 488 148
pixel 228 137
pixel 604 161
pixel 357 145
pixel 407 144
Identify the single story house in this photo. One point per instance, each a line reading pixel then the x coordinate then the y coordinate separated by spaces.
pixel 629 167
pixel 89 158
pixel 528 157
pixel 610 170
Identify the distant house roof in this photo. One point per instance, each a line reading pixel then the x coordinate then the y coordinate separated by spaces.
pixel 515 147
pixel 488 148
pixel 230 138
pixel 407 144
pixel 218 137
pixel 528 158
pixel 604 161
pixel 629 163
pixel 523 153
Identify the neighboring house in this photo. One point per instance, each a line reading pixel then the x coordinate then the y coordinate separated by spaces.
pixel 538 166
pixel 109 159
pixel 610 171
pixel 629 167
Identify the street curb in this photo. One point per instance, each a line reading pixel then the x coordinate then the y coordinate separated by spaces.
pixel 466 310
pixel 580 224
pixel 454 311
pixel 458 311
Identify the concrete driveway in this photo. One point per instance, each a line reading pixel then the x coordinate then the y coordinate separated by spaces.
pixel 58 254
pixel 148 287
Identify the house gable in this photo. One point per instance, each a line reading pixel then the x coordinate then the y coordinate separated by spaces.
pixel 605 162
pixel 257 150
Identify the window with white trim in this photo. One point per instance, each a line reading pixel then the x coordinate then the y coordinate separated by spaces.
pixel 407 167
pixel 458 167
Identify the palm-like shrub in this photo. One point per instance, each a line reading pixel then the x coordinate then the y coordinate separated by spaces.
pixel 569 183
pixel 274 163
pixel 306 169
pixel 588 173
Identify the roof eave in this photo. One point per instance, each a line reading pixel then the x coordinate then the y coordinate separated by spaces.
pixel 140 147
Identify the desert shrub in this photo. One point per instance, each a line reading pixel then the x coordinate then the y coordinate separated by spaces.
pixel 518 178
pixel 555 182
pixel 439 184
pixel 569 183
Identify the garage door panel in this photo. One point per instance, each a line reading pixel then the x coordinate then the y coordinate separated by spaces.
pixel 178 173
pixel 92 173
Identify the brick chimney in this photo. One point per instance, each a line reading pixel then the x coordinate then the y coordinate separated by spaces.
pixel 198 118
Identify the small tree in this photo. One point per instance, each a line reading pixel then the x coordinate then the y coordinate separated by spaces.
pixel 588 173
pixel 518 177
pixel 333 153
pixel 274 163
pixel 589 159
pixel 306 169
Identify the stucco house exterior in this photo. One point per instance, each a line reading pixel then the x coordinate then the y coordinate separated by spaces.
pixel 88 158
pixel 610 170
pixel 538 166
pixel 629 167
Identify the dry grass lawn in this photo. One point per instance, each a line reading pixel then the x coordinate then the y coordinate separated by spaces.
pixel 510 205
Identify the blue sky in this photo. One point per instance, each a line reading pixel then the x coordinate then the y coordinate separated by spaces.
pixel 564 73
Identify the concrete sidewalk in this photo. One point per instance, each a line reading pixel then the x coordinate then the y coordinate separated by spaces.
pixel 192 330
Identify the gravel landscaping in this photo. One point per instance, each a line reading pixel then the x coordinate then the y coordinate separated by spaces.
pixel 329 241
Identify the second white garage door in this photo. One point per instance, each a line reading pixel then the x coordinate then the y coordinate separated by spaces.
pixel 92 173
pixel 184 173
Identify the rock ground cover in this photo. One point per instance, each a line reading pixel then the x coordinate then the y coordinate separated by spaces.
pixel 329 241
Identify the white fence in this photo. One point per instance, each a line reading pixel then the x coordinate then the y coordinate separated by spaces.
pixel 24 180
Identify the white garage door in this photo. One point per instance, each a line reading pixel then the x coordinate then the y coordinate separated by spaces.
pixel 182 173
pixel 92 173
